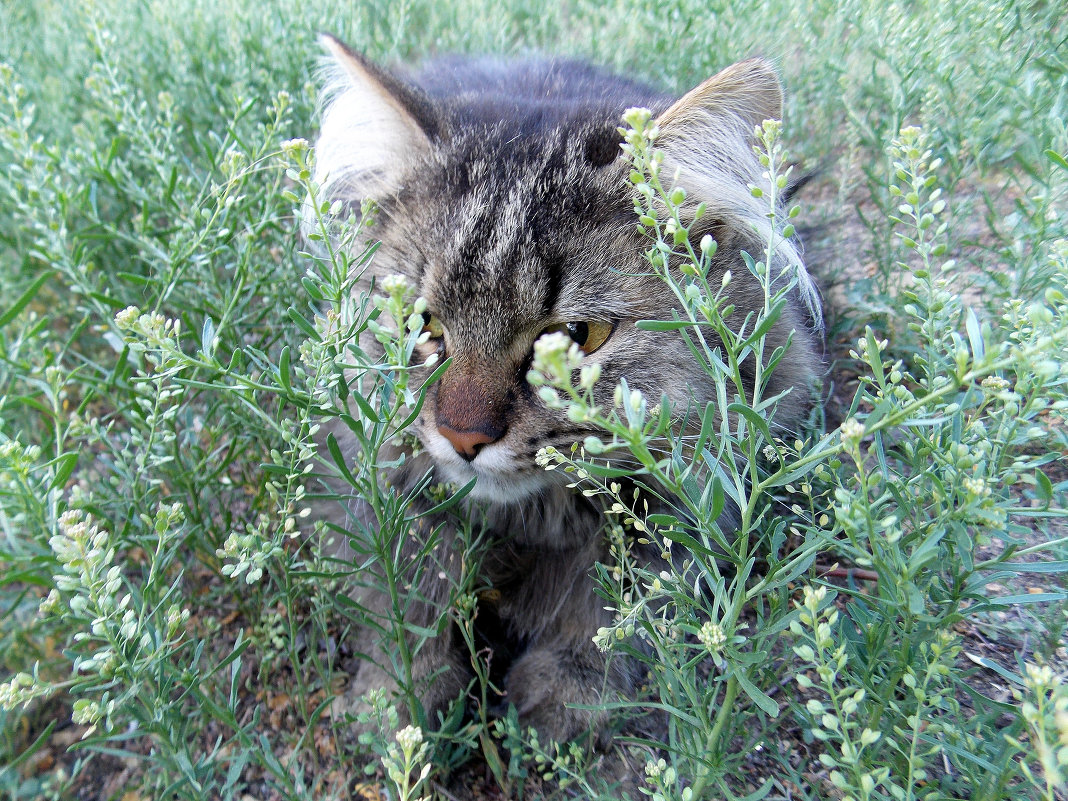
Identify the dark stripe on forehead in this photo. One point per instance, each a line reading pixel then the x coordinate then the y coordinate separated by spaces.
pixel 470 255
pixel 553 270
pixel 493 246
pixel 545 180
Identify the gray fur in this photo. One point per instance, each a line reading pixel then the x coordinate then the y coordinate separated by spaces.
pixel 503 199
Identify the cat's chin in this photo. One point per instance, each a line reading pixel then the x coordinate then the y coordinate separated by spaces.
pixel 506 490
pixel 495 487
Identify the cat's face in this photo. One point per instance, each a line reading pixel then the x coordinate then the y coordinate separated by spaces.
pixel 515 247
pixel 511 231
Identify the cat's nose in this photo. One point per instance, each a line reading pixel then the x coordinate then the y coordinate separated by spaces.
pixel 468 443
pixel 473 405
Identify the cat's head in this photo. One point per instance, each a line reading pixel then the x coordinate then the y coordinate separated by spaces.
pixel 505 202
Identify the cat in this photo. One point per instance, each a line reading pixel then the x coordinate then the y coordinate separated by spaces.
pixel 503 198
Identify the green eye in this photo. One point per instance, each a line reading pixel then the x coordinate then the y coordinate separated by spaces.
pixel 433 325
pixel 589 335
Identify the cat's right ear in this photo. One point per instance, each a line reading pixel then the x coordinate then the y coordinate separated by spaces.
pixel 709 131
pixel 373 127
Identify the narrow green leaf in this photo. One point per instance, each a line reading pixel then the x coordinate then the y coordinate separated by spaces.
pixel 759 793
pixel 662 519
pixel 274 469
pixel 207 336
pixel 719 498
pixel 11 767
pixel 1028 598
pixel 352 424
pixel 795 570
pixel 765 324
pixel 1057 159
pixel 960 753
pixel 451 501
pixel 303 324
pixel 420 631
pixel 64 467
pixel 366 408
pixel 339 458
pixel 439 371
pixel 926 552
pixel 172 182
pixel 24 299
pixel 1043 487
pixel 312 289
pixel 758 696
pixel 917 603
pixel 601 471
pixel 682 538
pixel 133 278
pixel 240 646
pixel 283 369
pixel 975 335
pixel 107 300
pixel 1035 567
pixel 753 418
pixel 1005 673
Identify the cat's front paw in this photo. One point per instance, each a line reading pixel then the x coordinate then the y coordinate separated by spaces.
pixel 544 685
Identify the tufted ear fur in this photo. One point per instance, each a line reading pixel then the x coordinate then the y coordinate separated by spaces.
pixel 747 92
pixel 373 127
pixel 707 140
pixel 709 130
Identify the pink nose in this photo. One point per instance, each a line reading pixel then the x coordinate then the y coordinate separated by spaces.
pixel 466 443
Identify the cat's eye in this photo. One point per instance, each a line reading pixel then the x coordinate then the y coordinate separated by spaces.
pixel 589 335
pixel 433 325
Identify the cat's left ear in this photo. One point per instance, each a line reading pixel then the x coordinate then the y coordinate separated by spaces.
pixel 708 134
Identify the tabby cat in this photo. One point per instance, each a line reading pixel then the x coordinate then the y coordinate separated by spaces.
pixel 504 200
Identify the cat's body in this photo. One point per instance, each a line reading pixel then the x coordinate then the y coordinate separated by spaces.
pixel 504 201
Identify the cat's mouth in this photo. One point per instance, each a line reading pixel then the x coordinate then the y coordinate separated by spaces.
pixel 501 477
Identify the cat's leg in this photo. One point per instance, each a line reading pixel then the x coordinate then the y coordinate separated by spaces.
pixel 547 683
pixel 437 676
pixel 562 667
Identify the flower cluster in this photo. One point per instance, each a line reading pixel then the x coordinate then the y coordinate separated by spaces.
pixel 556 357
pixel 17 462
pixel 115 638
pixel 407 764
pixel 838 720
pixel 294 148
pixel 1045 711
pixel 712 636
pixel 662 780
pixel 155 329
pixel 852 431
pixel 20 689
pixel 249 553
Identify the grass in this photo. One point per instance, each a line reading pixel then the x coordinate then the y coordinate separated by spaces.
pixel 165 628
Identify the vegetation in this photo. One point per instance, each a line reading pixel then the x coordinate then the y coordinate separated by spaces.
pixel 887 623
